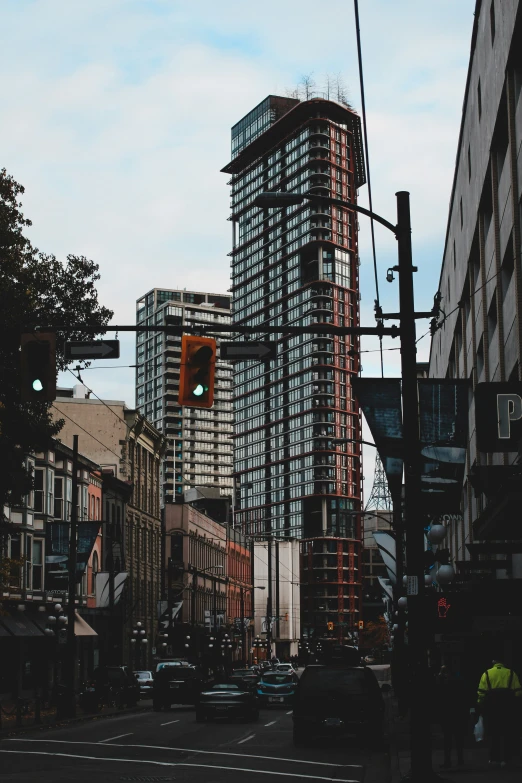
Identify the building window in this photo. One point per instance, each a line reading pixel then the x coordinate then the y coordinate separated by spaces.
pixel 95 569
pixel 492 20
pixel 37 564
pixel 39 490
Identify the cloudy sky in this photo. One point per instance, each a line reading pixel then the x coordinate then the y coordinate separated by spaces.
pixel 116 118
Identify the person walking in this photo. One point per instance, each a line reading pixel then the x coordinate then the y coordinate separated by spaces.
pixel 452 703
pixel 498 701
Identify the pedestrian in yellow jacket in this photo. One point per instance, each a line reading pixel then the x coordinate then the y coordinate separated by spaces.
pixel 499 698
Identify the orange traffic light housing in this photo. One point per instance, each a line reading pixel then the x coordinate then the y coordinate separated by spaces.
pixel 198 365
pixel 330 626
pixel 361 625
pixel 38 367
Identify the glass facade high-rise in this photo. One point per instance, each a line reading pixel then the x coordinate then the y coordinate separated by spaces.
pixel 299 266
pixel 199 450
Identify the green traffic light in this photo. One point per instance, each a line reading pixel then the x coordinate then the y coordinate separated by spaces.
pixel 37 385
pixel 199 390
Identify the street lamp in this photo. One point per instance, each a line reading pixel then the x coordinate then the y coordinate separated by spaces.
pixel 138 640
pixel 420 744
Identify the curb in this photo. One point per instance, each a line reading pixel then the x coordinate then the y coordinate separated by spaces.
pixel 60 724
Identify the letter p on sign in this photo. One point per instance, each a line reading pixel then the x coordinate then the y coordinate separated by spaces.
pixel 509 408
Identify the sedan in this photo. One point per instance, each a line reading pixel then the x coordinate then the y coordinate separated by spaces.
pixel 276 689
pixel 225 700
pixel 245 678
pixel 285 667
pixel 146 682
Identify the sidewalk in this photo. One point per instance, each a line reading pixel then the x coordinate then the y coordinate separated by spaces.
pixel 49 720
pixel 475 769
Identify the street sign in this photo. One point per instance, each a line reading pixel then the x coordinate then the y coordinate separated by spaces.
pixel 248 351
pixel 96 349
pixel 498 416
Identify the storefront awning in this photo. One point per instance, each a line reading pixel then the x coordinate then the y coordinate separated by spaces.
pixel 443 430
pixel 82 628
pixel 18 624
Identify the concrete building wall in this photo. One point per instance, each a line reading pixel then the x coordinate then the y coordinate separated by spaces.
pixel 481 277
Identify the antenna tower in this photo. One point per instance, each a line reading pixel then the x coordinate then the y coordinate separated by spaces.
pixel 380 497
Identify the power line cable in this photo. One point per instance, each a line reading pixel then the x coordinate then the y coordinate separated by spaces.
pixel 367 161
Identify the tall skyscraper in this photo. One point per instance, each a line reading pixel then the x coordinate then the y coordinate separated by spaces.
pixel 199 450
pixel 299 266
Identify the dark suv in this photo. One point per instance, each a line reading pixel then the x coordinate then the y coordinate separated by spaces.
pixel 338 701
pixel 177 685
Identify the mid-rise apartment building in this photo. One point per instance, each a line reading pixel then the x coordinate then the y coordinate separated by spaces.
pixel 298 266
pixel 199 445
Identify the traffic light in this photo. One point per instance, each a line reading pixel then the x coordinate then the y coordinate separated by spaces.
pixel 361 625
pixel 38 367
pixel 198 364
pixel 330 626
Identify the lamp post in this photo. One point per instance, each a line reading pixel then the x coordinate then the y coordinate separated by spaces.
pixel 138 640
pixel 242 618
pixel 420 744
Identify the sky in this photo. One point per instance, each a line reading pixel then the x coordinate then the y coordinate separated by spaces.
pixel 116 117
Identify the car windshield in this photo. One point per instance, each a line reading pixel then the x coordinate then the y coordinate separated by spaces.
pixel 144 675
pixel 284 667
pixel 345 680
pixel 277 679
pixel 226 686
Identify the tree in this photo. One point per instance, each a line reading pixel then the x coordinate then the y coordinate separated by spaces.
pixel 375 635
pixel 36 289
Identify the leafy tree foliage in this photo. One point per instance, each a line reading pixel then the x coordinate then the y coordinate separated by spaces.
pixel 375 635
pixel 36 289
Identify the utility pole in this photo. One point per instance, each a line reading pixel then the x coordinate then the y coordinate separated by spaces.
pixel 244 656
pixel 194 593
pixel 420 737
pixel 269 603
pixel 70 657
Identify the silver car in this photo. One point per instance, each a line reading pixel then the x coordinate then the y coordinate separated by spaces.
pixel 145 681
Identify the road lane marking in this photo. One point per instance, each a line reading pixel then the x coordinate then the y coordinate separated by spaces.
pixel 192 750
pixel 113 738
pixel 179 764
pixel 170 721
pixel 289 713
pixel 271 723
pixel 246 739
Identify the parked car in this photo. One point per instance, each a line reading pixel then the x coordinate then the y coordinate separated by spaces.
pixel 338 701
pixel 225 700
pixel 146 682
pixel 174 662
pixel 245 678
pixel 120 681
pixel 277 688
pixel 177 685
pixel 285 667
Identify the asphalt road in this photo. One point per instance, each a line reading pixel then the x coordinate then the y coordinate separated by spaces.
pixel 171 746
